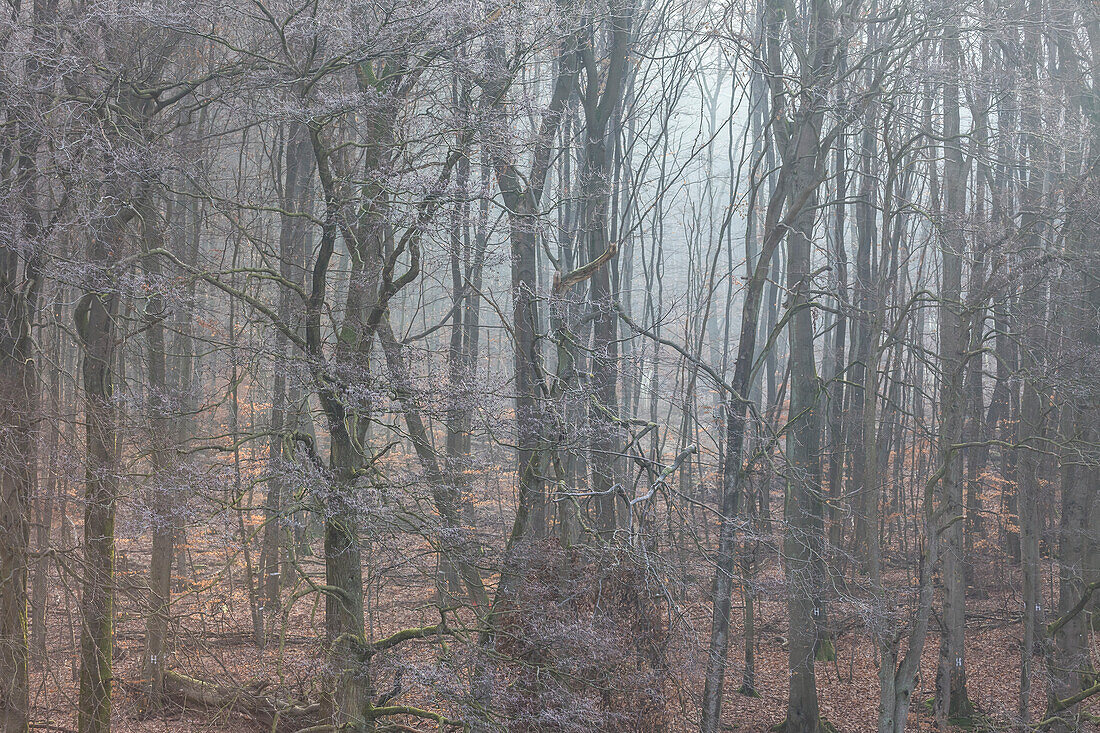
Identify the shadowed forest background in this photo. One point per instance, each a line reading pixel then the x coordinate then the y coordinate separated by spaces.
pixel 549 366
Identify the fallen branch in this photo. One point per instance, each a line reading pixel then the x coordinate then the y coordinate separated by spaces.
pixel 288 715
pixel 416 712
pixel 50 727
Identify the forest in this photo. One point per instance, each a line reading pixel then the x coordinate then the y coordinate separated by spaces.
pixel 549 366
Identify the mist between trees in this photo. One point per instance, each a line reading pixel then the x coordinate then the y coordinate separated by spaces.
pixel 547 366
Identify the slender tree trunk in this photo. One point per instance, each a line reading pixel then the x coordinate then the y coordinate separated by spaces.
pixel 837 425
pixel 1031 334
pixel 733 474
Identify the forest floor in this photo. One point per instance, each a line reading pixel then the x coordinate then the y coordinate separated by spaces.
pixel 213 639
pixel 848 686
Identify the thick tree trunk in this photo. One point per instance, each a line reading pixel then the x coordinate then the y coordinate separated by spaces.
pixel 162 433
pixel 601 104
pixel 20 286
pixel 18 465
pixel 531 515
pixel 802 543
pixel 348 704
pixel 605 357
pixel 952 701
pixel 95 324
pixel 344 618
pixel 349 699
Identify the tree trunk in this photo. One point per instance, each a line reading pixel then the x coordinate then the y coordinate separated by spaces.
pixel 802 542
pixel 95 325
pixel 18 466
pixel 733 475
pixel 296 199
pixel 601 105
pixel 160 437
pixel 952 701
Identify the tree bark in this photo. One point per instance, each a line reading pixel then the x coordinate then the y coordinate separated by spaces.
pixel 160 437
pixel 95 325
pixel 296 201
pixel 19 283
pixel 951 700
